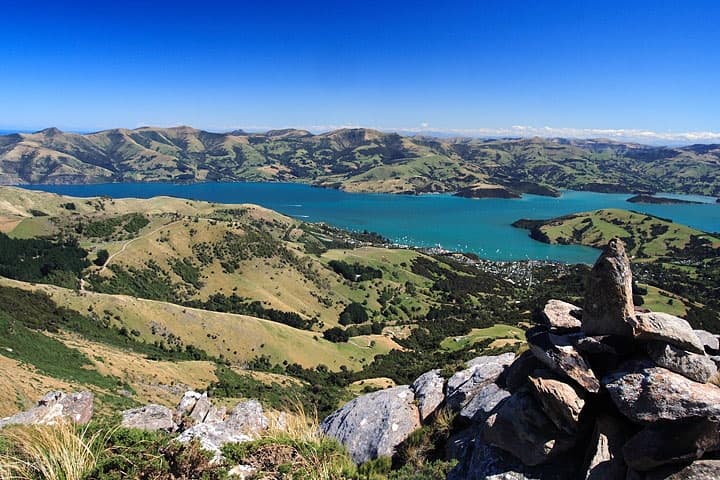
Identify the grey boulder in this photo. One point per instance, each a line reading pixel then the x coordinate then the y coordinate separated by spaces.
pixel 480 371
pixel 604 459
pixel 520 427
pixel 150 417
pixel 709 340
pixel 645 393
pixel 372 425
pixel 429 392
pixel 55 407
pixel 676 442
pixel 691 365
pixel 483 403
pixel 668 329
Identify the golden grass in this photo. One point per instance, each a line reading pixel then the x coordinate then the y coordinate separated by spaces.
pixel 51 452
pixel 20 395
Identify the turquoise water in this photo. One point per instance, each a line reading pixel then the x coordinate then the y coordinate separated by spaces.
pixel 482 226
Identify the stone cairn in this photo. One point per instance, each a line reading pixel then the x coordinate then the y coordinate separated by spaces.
pixel 603 392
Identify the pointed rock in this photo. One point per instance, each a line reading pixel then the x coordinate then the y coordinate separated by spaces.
pixel 561 315
pixel 666 328
pixel 201 408
pixel 558 353
pixel 699 368
pixel 608 301
pixel 645 393
pixel 428 389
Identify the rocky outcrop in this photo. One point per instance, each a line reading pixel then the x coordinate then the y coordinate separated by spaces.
pixel 608 301
pixel 55 407
pixel 479 372
pixel 150 417
pixel 653 414
pixel 428 389
pixel 372 425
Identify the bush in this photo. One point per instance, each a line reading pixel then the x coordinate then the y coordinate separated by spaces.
pixel 336 335
pixel 353 314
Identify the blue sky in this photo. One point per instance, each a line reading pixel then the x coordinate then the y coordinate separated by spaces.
pixel 578 67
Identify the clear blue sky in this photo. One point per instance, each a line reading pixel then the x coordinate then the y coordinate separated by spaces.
pixel 577 64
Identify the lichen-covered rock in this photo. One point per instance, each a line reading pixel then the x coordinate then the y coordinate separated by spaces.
pixel 201 408
pixel 562 315
pixel 150 417
pixel 676 442
pixel 561 402
pixel 604 460
pixel 520 427
pixel 245 422
pixel 480 371
pixel 429 391
pixel 55 407
pixel 645 393
pixel 372 425
pixel 691 365
pixel 668 329
pixel 558 353
pixel 483 402
pixel 608 299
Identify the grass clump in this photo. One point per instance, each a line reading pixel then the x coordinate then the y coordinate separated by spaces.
pixel 51 452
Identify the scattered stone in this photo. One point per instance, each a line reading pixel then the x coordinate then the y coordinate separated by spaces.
pixel 428 389
pixel 645 393
pixel 604 460
pixel 558 353
pixel 608 299
pixel 692 365
pixel 562 403
pixel 483 403
pixel 666 328
pixel 150 417
pixel 372 425
pixel 709 340
pixel 520 427
pixel 672 442
pixel 562 315
pixel 480 371
pixel 55 407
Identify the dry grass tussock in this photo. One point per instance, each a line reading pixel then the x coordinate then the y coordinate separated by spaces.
pixel 52 452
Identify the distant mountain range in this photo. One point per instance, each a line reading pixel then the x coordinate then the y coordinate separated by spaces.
pixel 358 160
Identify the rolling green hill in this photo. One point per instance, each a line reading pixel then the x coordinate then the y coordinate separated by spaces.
pixel 647 237
pixel 357 160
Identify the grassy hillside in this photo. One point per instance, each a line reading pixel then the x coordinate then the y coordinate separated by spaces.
pixel 244 298
pixel 356 160
pixel 646 236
